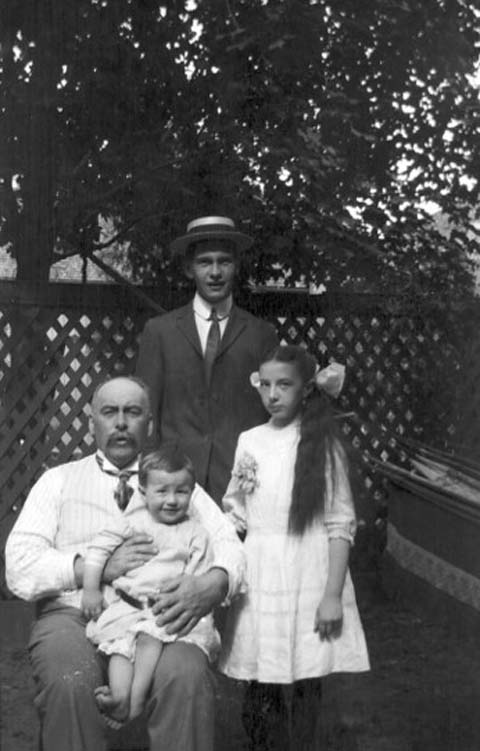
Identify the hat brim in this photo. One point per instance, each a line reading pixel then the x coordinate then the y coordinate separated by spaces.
pixel 181 244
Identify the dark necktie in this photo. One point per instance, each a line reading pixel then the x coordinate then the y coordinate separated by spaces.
pixel 213 341
pixel 123 491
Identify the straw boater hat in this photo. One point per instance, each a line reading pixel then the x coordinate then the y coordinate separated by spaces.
pixel 208 228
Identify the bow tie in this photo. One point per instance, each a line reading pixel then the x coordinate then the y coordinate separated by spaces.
pixel 123 491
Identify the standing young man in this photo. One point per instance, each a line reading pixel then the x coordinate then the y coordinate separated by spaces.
pixel 197 360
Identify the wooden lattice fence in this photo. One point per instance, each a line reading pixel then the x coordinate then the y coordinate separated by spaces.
pixel 58 342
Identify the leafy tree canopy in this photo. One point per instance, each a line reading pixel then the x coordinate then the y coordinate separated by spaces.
pixel 324 128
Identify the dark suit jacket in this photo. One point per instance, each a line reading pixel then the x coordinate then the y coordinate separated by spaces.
pixel 206 421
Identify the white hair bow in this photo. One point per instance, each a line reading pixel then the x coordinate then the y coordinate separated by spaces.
pixel 330 379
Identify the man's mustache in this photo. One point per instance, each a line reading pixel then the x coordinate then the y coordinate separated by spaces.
pixel 124 436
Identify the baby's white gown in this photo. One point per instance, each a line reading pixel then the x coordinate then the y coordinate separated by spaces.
pixel 269 635
pixel 183 548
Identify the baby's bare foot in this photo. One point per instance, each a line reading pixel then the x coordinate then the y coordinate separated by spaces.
pixel 113 709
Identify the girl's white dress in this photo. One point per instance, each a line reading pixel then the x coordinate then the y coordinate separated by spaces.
pixel 269 635
pixel 183 548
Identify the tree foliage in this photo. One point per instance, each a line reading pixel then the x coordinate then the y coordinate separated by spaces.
pixel 323 128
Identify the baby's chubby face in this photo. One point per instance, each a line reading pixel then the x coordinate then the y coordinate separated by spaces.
pixel 167 495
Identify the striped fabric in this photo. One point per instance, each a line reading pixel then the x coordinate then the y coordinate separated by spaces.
pixel 64 511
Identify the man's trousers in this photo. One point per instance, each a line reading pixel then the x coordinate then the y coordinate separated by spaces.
pixel 67 669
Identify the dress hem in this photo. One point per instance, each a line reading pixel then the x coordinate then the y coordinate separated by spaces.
pixel 288 681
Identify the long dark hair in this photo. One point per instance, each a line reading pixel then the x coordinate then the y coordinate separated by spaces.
pixel 320 444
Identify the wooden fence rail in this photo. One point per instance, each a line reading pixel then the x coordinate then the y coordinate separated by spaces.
pixel 58 341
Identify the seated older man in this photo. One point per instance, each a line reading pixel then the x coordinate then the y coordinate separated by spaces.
pixel 44 561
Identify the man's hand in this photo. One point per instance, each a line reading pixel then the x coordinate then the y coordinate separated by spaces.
pixel 185 599
pixel 135 551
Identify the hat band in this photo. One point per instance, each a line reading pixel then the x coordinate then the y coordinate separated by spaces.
pixel 203 221
pixel 220 228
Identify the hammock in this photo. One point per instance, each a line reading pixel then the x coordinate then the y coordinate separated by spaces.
pixel 439 476
pixel 433 530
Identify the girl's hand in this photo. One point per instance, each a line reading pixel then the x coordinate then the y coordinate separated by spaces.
pixel 92 604
pixel 328 617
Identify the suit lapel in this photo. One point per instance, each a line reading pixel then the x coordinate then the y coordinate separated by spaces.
pixel 186 324
pixel 235 325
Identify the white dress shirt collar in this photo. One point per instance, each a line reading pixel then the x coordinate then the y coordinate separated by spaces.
pixel 203 308
pixel 109 467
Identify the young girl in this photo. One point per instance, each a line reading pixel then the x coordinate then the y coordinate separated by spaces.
pixel 290 494
pixel 126 631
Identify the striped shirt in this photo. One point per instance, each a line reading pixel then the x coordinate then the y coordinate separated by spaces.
pixel 68 507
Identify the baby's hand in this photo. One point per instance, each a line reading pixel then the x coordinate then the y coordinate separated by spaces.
pixel 92 604
pixel 328 617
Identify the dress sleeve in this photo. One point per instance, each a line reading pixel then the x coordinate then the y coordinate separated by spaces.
pixel 339 510
pixel 234 500
pixel 106 542
pixel 201 556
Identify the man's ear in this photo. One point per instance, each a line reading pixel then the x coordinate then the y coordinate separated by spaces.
pixel 187 267
pixel 91 425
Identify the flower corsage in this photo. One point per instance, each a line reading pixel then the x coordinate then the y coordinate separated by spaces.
pixel 245 473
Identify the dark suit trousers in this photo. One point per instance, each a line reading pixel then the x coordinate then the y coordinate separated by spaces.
pixel 66 670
